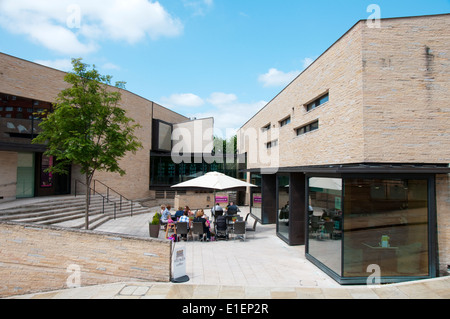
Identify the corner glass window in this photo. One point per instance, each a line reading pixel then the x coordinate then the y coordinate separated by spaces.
pixel 325 221
pixel 386 224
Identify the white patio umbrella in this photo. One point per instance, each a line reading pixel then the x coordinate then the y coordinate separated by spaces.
pixel 215 181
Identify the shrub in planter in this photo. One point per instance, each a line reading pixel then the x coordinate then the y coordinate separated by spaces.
pixel 155 225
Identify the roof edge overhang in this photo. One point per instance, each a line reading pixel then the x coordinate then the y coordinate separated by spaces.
pixel 361 168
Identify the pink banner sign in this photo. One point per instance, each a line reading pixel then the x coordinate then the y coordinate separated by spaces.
pixel 221 199
pixel 257 199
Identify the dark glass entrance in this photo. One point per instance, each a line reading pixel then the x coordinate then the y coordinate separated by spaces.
pixel 48 184
pixel 361 226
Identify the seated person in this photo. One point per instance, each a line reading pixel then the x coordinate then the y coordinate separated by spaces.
pixel 217 210
pixel 232 209
pixel 165 213
pixel 200 218
pixel 184 219
pixel 179 213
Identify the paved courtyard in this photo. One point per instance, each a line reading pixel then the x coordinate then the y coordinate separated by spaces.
pixel 261 260
pixel 262 267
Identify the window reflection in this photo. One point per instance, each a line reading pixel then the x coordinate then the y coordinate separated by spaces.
pixel 325 221
pixel 386 223
pixel 283 205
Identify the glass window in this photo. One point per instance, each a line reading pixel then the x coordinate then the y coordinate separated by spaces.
pixel 308 128
pixel 285 122
pixel 322 100
pixel 386 224
pixel 325 221
pixel 283 206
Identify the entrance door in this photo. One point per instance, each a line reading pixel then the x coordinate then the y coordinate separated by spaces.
pixel 25 175
pixel 48 184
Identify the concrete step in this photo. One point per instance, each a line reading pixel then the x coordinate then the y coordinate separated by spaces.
pixel 49 205
pixel 70 211
pixel 33 212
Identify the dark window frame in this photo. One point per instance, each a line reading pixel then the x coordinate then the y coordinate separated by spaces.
pixel 285 121
pixel 323 99
pixel 311 127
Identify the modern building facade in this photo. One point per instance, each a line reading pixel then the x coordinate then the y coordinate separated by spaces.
pixel 26 89
pixel 352 157
pixel 175 148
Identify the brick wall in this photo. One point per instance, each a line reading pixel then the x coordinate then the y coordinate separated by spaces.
pixel 30 80
pixel 35 258
pixel 340 136
pixel 406 90
pixel 388 91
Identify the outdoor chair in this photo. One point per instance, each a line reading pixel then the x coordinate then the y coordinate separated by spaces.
pixel 182 230
pixel 239 229
pixel 252 229
pixel 197 229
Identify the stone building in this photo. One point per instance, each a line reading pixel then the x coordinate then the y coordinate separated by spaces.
pixel 352 157
pixel 28 88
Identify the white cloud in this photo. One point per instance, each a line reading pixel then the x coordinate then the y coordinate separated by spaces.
pixel 182 100
pixel 230 117
pixel 199 6
pixel 276 78
pixel 219 98
pixel 228 112
pixel 77 29
pixel 110 66
pixel 59 64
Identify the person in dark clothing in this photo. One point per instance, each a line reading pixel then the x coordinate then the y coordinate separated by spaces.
pixel 200 218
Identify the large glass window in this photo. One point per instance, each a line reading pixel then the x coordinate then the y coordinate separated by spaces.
pixel 386 224
pixel 325 221
pixel 383 223
pixel 256 196
pixel 283 206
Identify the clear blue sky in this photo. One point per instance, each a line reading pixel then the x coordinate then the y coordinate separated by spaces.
pixel 221 58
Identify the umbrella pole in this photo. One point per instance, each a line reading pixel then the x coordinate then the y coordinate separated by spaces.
pixel 214 206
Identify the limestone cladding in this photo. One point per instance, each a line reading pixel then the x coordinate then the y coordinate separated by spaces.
pixel 388 100
pixel 36 259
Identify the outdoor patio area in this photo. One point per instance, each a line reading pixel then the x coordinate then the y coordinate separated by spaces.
pixel 261 260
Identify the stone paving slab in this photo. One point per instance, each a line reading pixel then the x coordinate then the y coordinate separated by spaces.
pixel 263 267
pixel 438 288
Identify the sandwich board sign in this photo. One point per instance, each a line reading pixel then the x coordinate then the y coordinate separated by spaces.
pixel 179 265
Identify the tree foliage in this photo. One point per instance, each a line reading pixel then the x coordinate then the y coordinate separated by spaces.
pixel 87 127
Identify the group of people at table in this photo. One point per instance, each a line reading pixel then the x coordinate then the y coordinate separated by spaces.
pixel 187 216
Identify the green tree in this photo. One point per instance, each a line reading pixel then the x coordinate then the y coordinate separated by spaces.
pixel 87 127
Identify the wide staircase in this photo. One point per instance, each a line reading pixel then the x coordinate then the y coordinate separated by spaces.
pixel 69 211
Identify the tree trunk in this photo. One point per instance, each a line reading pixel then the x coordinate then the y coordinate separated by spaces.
pixel 88 190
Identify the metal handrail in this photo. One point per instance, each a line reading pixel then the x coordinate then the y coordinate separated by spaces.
pixel 95 192
pixel 117 193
